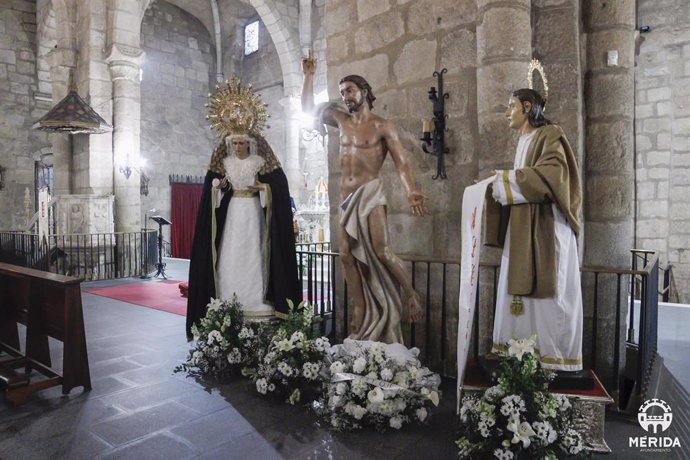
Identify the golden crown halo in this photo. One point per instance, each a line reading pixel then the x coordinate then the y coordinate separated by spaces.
pixel 535 64
pixel 236 109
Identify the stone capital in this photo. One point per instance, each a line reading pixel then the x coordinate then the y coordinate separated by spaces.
pixel 292 104
pixel 124 62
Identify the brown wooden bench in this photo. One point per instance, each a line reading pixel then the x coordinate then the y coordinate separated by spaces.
pixel 49 305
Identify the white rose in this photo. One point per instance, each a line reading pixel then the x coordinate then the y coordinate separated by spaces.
pixel 375 395
pixel 421 414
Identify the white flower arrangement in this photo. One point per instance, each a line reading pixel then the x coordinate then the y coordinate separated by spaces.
pixel 518 418
pixel 369 387
pixel 377 385
pixel 219 349
pixel 294 360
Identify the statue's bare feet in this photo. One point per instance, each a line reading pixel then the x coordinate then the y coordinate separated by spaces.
pixel 414 306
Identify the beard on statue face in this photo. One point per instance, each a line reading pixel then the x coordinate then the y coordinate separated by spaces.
pixel 353 105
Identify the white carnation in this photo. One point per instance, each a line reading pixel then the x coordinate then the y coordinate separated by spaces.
pixel 395 422
pixel 386 374
pixel 359 365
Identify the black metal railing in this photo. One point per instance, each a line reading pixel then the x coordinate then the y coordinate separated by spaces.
pixel 316 267
pixel 437 281
pixel 636 289
pixel 94 256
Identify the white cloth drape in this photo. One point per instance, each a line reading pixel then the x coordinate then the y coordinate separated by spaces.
pixel 471 231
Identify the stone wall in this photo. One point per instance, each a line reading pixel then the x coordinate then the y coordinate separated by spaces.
pixel 556 43
pixel 397 46
pixel 662 138
pixel 20 147
pixel 178 70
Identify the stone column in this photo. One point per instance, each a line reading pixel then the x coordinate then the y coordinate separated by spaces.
pixel 62 63
pixel 293 107
pixel 504 38
pixel 609 158
pixel 305 32
pixel 124 63
pixel 504 49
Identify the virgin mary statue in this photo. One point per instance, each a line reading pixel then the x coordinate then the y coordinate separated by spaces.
pixel 243 243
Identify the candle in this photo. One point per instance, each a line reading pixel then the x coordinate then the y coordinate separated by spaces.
pixel 426 125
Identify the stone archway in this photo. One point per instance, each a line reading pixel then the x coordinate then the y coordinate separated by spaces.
pixel 286 40
pixel 285 36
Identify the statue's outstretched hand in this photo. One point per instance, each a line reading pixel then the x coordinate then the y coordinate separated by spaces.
pixel 415 310
pixel 221 184
pixel 309 63
pixel 417 203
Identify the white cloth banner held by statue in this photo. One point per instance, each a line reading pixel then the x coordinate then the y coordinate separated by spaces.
pixel 43 222
pixel 471 226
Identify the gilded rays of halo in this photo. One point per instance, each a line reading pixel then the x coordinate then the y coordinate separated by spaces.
pixel 535 64
pixel 236 109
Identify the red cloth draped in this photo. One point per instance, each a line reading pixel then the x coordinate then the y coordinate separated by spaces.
pixel 185 203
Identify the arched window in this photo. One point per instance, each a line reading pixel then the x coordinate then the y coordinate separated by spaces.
pixel 251 38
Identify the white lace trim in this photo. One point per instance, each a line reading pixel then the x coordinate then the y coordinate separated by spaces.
pixel 242 173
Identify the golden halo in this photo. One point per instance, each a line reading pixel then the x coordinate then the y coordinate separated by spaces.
pixel 535 64
pixel 236 109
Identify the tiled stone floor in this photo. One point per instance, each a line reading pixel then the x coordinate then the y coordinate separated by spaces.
pixel 138 409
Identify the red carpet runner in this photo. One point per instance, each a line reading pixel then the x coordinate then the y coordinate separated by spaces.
pixel 159 295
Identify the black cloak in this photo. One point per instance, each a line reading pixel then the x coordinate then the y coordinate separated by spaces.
pixel 283 282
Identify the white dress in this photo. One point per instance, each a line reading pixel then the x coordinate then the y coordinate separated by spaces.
pixel 240 267
pixel 556 321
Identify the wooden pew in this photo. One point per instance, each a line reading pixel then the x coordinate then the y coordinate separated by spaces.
pixel 49 305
